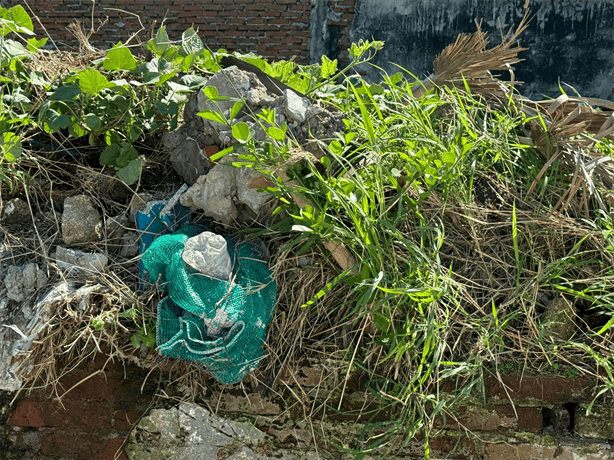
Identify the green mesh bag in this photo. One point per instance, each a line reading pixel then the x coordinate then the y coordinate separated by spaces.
pixel 218 324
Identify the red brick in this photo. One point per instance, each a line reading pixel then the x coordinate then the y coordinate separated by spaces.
pixel 548 389
pixel 27 415
pixel 109 448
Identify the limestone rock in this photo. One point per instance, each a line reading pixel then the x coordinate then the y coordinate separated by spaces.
pixel 214 193
pixel 23 281
pixel 80 221
pixel 72 259
pixel 249 196
pixel 294 106
pixel 192 432
pixel 187 157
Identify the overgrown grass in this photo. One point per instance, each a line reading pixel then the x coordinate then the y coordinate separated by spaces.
pixel 458 264
pixel 453 217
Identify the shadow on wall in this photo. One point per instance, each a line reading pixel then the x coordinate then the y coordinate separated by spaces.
pixel 570 41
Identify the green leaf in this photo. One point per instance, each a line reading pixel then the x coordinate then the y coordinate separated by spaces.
pixel 109 155
pixel 56 121
pixel 336 147
pixel 12 50
pixel 191 43
pixel 34 44
pixel 167 108
pixel 92 82
pixel 76 130
pixel 211 92
pixel 193 81
pixel 131 173
pixel 10 146
pixel 150 339
pixel 212 115
pixel 16 19
pixel 135 340
pixel 328 67
pixel 449 157
pixel 236 108
pixel 276 133
pixel 119 58
pixel 38 79
pixel 93 122
pixel 242 132
pixel 161 42
pixel 65 93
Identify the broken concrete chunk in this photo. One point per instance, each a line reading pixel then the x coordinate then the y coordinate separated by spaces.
pixel 80 221
pixel 23 281
pixel 72 259
pixel 294 106
pixel 213 194
pixel 189 160
pixel 16 211
pixel 207 253
pixel 249 196
pixel 192 432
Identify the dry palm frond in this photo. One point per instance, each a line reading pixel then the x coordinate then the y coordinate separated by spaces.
pixel 468 58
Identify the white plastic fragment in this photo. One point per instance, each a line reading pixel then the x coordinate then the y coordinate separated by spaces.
pixel 208 253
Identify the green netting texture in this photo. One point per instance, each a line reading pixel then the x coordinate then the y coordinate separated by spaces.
pixel 218 324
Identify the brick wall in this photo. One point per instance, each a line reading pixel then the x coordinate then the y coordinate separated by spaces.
pixel 90 422
pixel 275 29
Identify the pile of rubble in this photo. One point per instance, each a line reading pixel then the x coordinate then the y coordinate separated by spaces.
pixel 223 192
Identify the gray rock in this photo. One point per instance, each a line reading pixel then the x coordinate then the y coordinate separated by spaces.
pixel 208 253
pixel 130 245
pixel 249 196
pixel 75 260
pixel 16 211
pixel 214 193
pixel 294 106
pixel 234 84
pixel 23 281
pixel 191 432
pixel 187 157
pixel 80 221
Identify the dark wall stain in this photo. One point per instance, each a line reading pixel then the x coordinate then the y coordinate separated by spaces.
pixel 568 40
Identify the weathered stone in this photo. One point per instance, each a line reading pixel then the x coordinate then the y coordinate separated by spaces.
pixel 598 424
pixel 16 211
pixel 130 245
pixel 559 318
pixel 80 221
pixel 294 106
pixel 192 432
pixel 187 157
pixel 214 193
pixel 23 281
pixel 207 253
pixel 249 196
pixel 72 259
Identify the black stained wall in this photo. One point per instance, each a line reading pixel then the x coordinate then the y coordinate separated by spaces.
pixel 569 41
